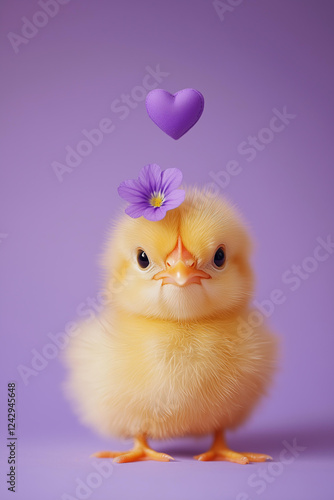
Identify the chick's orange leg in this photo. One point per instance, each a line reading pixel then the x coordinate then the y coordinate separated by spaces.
pixel 220 451
pixel 140 451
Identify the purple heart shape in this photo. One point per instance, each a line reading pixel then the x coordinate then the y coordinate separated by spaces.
pixel 175 114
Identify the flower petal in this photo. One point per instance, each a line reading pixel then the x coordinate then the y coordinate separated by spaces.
pixel 155 213
pixel 151 181
pixel 150 178
pixel 136 210
pixel 132 191
pixel 174 199
pixel 171 178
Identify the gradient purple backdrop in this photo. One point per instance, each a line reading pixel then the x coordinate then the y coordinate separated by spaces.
pixel 261 56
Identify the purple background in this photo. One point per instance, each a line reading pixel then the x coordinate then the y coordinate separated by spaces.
pixel 263 55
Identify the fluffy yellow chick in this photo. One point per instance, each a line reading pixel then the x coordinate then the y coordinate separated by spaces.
pixel 172 354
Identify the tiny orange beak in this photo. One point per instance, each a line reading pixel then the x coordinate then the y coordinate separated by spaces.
pixel 181 268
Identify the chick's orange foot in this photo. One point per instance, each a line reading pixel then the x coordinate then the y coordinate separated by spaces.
pixel 140 451
pixel 220 451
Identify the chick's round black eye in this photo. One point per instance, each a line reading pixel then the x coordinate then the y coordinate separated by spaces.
pixel 219 258
pixel 142 259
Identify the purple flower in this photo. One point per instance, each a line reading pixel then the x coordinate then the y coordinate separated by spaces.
pixel 153 193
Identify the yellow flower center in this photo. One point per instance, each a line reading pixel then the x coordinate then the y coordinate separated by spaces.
pixel 157 200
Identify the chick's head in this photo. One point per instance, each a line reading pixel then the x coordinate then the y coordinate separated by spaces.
pixel 192 264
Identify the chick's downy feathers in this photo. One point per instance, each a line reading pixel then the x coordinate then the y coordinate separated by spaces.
pixel 167 360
